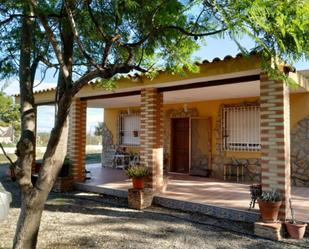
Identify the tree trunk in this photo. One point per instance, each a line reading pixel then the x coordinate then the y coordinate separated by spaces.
pixel 33 198
pixel 29 221
pixel 32 201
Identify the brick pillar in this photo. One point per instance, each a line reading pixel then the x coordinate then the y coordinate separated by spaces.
pixel 275 139
pixel 77 139
pixel 152 136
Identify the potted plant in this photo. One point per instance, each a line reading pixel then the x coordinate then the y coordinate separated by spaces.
pixel 65 169
pixel 295 229
pixel 269 204
pixel 137 173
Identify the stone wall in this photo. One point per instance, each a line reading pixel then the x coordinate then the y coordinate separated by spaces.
pixel 252 172
pixel 300 153
pixel 108 150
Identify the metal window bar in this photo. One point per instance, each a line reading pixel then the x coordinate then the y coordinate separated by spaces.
pixel 129 129
pixel 241 128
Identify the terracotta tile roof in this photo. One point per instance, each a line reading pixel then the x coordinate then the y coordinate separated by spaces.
pixel 136 75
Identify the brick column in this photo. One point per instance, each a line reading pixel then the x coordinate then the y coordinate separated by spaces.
pixel 77 139
pixel 152 136
pixel 275 139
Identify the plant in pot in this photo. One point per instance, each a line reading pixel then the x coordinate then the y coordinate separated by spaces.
pixel 137 173
pixel 269 204
pixel 65 169
pixel 295 229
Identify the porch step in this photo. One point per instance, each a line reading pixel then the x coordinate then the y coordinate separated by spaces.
pixel 216 211
pixel 101 190
pixel 211 210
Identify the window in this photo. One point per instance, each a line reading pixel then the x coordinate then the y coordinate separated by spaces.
pixel 129 129
pixel 241 128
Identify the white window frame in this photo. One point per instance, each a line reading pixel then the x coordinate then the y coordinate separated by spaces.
pixel 129 129
pixel 241 128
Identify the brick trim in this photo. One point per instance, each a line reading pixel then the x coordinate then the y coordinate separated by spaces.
pixel 77 139
pixel 275 139
pixel 151 148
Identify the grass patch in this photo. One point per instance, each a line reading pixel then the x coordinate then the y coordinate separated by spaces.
pixel 93 158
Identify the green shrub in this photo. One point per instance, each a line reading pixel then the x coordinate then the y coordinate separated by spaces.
pixel 270 196
pixel 137 171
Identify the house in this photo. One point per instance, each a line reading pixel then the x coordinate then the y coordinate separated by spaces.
pixel 6 134
pixel 203 121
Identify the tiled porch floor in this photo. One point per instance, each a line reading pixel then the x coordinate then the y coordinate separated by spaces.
pixel 198 190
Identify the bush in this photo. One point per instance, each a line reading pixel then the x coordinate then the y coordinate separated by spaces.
pixel 270 196
pixel 137 171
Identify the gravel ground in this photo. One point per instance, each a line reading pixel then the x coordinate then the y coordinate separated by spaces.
pixel 84 220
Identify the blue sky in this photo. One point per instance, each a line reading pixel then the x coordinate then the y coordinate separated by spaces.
pixel 214 48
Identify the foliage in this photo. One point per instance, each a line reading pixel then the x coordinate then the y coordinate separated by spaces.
pixel 66 161
pixel 280 28
pixel 99 129
pixel 42 138
pixel 137 171
pixel 93 139
pixel 145 36
pixel 270 196
pixel 9 113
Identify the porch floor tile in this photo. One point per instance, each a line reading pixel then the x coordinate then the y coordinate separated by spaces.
pixel 197 190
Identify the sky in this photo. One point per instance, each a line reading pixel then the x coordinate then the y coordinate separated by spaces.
pixel 214 48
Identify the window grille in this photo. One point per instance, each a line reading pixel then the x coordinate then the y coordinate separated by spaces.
pixel 241 128
pixel 129 129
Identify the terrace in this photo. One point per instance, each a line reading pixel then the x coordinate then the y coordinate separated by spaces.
pixel 211 196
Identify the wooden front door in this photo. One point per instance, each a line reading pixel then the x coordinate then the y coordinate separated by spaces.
pixel 180 145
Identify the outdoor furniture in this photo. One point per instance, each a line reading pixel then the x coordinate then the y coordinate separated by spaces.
pixel 229 168
pixel 121 161
pixel 255 191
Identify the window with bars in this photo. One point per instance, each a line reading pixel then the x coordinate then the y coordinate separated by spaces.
pixel 129 129
pixel 241 128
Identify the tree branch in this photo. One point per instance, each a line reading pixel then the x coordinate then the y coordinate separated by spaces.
pixel 53 41
pixel 182 30
pixel 172 27
pixel 95 21
pixel 76 36
pixel 13 16
pixel 7 156
pixel 87 77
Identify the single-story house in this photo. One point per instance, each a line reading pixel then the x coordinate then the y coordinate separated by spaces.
pixel 193 124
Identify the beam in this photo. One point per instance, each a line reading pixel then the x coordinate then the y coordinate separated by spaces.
pixel 210 83
pixel 112 95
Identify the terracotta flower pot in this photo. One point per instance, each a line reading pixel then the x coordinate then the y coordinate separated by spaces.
pixel 269 210
pixel 138 182
pixel 296 231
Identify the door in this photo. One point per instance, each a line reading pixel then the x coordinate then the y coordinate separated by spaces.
pixel 180 145
pixel 200 157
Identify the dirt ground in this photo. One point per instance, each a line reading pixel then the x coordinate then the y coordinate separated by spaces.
pixel 84 220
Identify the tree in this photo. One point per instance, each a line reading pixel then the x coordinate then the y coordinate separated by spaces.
pixel 99 129
pixel 9 113
pixel 87 40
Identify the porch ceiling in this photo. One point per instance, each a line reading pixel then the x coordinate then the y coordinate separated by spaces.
pixel 238 90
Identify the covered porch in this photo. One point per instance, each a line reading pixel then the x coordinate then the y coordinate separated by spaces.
pixel 233 84
pixel 225 199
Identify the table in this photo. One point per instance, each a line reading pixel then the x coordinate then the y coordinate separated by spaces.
pixel 228 171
